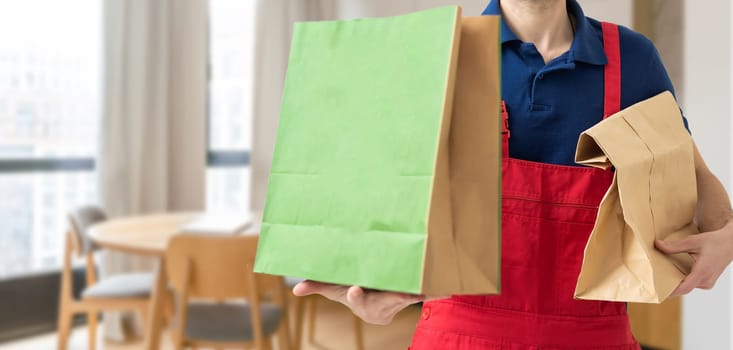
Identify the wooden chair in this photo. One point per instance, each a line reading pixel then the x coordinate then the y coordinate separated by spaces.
pixel 119 292
pixel 309 304
pixel 214 270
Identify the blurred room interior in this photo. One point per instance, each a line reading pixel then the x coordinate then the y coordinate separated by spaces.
pixel 169 108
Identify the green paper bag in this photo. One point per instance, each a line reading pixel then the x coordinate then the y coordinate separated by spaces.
pixel 386 170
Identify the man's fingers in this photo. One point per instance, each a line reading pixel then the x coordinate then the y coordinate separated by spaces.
pixel 355 295
pixel 375 307
pixel 410 298
pixel 691 281
pixel 304 288
pixel 312 287
pixel 690 244
pixel 686 286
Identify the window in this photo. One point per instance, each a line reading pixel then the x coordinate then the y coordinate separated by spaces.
pixel 49 106
pixel 231 43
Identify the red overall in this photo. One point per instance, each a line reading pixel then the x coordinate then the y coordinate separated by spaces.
pixel 548 212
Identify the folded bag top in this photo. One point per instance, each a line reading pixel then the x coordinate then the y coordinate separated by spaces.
pixel 386 170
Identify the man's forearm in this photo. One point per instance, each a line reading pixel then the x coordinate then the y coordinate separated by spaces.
pixel 713 204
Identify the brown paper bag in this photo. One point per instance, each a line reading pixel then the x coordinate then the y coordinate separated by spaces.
pixel 653 196
pixel 387 164
pixel 475 171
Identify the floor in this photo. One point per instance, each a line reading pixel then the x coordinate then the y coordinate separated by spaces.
pixel 333 332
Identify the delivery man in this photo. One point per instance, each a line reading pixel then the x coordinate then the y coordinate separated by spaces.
pixel 561 74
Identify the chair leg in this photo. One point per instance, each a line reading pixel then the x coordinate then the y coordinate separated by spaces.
pixel 283 336
pixel 64 328
pixel 312 306
pixel 358 334
pixel 92 318
pixel 168 308
pixel 144 318
pixel 299 319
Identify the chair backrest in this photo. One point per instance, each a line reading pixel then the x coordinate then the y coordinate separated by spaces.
pixel 219 266
pixel 79 222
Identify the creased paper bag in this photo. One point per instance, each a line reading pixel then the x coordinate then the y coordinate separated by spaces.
pixel 653 196
pixel 387 163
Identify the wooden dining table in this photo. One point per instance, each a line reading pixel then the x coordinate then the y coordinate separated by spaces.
pixel 148 235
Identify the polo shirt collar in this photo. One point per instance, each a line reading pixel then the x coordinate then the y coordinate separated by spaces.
pixel 587 45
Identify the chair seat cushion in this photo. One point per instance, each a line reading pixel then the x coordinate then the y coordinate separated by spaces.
pixel 120 286
pixel 229 322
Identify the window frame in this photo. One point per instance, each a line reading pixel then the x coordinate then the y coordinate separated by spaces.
pixel 225 159
pixel 216 158
pixel 30 304
pixel 31 299
pixel 46 165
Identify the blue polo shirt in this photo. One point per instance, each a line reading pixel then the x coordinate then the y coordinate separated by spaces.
pixel 550 104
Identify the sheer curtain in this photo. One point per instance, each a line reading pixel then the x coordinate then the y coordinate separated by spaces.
pixel 153 146
pixel 274 25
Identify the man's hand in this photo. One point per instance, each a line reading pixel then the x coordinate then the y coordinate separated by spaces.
pixel 374 307
pixel 712 249
pixel 711 252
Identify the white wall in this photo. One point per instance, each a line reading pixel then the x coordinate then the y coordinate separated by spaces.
pixel 616 11
pixel 707 103
pixel 378 8
pixel 470 7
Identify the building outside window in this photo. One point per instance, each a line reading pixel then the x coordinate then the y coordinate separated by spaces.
pixel 50 107
pixel 50 90
pixel 231 47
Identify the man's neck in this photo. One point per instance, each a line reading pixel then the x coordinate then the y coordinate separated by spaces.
pixel 545 23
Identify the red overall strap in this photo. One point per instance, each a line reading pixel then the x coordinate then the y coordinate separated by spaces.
pixel 612 72
pixel 504 130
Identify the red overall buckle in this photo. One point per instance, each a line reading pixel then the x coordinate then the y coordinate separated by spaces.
pixel 505 119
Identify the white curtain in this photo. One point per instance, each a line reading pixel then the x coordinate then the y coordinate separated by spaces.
pixel 273 29
pixel 153 131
